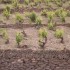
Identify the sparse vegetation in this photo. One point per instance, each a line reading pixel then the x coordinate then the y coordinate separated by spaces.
pixel 59 34
pixel 19 18
pixel 33 16
pixel 62 14
pixel 58 3
pixel 26 2
pixel 42 37
pixel 15 3
pixel 46 16
pixel 4 35
pixel 6 13
pixel 7 8
pixel 34 34
pixel 38 21
pixel 50 16
pixel 44 13
pixel 19 38
pixel 51 26
pixel 47 2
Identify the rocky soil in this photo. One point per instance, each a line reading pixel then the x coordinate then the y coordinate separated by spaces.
pixel 34 60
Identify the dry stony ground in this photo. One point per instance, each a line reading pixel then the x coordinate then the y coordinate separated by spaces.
pixel 34 60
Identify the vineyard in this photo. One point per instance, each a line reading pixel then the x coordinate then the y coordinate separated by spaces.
pixel 29 28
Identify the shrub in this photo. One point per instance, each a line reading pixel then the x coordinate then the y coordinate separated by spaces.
pixel 32 4
pixel 47 1
pixel 42 37
pixel 35 2
pixel 7 8
pixel 15 3
pixel 38 21
pixel 68 13
pixel 61 13
pixel 58 12
pixel 6 13
pixel 33 16
pixel 26 2
pixel 6 37
pixel 50 15
pixel 44 13
pixel 51 26
pixel 19 17
pixel 42 33
pixel 58 2
pixel 59 34
pixel 27 14
pixel 19 38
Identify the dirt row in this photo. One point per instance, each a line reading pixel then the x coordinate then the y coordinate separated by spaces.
pixel 31 40
pixel 21 26
pixel 34 60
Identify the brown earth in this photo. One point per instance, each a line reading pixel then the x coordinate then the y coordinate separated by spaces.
pixel 34 60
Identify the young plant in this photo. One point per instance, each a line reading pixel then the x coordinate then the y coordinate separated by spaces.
pixel 32 4
pixel 68 13
pixel 58 12
pixel 19 38
pixel 44 13
pixel 50 16
pixel 27 14
pixel 19 18
pixel 38 21
pixel 47 1
pixel 62 14
pixel 26 2
pixel 33 16
pixel 42 37
pixel 15 3
pixel 6 37
pixel 51 26
pixel 6 13
pixel 58 2
pixel 7 8
pixel 59 34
